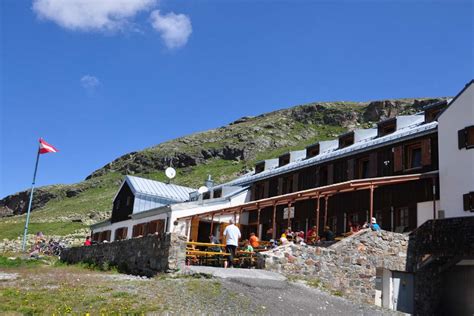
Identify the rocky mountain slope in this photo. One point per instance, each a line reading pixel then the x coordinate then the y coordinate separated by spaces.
pixel 224 152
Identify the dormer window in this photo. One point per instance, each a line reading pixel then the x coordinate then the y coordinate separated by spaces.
pixel 346 140
pixel 284 160
pixel 432 111
pixel 259 167
pixel 312 151
pixel 386 127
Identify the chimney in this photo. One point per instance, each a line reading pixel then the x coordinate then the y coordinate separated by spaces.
pixel 209 183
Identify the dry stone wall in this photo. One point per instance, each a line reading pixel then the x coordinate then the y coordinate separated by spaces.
pixel 145 256
pixel 348 266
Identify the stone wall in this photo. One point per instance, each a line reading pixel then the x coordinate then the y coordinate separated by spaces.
pixel 144 256
pixel 434 248
pixel 348 266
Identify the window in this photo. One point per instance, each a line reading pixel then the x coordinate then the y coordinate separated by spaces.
pixel 121 233
pixel 468 201
pixel 217 193
pixel 403 217
pixel 346 140
pixel 312 151
pixel 413 156
pixel 387 127
pixel 466 138
pixel 259 191
pixel 259 167
pixel 364 170
pixel 129 200
pixel 284 160
pixel 287 184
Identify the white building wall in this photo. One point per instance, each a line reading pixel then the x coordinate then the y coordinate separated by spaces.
pixel 456 166
pixel 424 211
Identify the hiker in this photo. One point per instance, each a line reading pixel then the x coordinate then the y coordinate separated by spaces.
pixel 374 225
pixel 254 241
pixel 88 241
pixel 232 235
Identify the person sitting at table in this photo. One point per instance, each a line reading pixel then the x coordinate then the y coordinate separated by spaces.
pixel 247 246
pixel 299 239
pixel 269 233
pixel 215 241
pixel 290 235
pixel 254 241
pixel 283 239
pixel 312 236
pixel 328 234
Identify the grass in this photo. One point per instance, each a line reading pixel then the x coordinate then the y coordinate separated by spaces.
pixel 15 230
pixel 48 290
pixel 18 262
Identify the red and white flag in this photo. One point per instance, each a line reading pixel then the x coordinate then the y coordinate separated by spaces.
pixel 44 147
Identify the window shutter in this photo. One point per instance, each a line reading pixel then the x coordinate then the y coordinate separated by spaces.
pixel 468 202
pixel 266 189
pixel 295 182
pixel 426 152
pixel 373 164
pixel 330 174
pixel 462 139
pixel 350 169
pixel 280 186
pixel 317 177
pixel 398 158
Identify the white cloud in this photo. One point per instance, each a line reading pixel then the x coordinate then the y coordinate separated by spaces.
pixel 91 15
pixel 90 82
pixel 175 29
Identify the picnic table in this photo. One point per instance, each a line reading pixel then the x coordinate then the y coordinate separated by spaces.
pixel 210 255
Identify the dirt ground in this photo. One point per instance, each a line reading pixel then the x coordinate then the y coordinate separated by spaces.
pixel 49 289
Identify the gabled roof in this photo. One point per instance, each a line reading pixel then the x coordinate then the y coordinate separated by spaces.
pixel 450 103
pixel 146 187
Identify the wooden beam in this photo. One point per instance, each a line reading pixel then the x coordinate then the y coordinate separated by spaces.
pixel 371 203
pixel 317 215
pixel 289 219
pixel 274 221
pixel 259 233
pixel 212 224
pixel 326 200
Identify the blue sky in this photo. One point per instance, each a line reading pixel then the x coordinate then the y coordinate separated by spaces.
pixel 100 80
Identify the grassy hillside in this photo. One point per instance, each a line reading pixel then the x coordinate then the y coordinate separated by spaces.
pixel 224 153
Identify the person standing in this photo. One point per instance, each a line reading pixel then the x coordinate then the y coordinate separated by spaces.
pixel 231 235
pixel 88 241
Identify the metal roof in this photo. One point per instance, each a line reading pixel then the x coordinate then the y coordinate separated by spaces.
pixel 406 131
pixel 142 186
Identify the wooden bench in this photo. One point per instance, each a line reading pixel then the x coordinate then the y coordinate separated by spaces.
pixel 205 256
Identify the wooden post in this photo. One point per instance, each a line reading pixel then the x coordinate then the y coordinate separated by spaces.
pixel 317 216
pixel 434 197
pixel 212 224
pixel 289 219
pixel 371 203
pixel 274 221
pixel 259 233
pixel 326 199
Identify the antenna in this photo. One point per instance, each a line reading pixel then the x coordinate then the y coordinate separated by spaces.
pixel 170 173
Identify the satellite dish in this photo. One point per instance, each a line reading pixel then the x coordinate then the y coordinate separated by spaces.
pixel 170 173
pixel 203 190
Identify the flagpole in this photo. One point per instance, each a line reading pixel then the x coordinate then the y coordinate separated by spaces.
pixel 31 201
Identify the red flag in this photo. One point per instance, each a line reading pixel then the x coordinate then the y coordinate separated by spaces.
pixel 44 147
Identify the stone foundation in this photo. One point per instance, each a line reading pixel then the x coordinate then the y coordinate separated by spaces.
pixel 348 266
pixel 144 256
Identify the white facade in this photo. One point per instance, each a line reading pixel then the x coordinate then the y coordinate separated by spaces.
pixel 171 213
pixel 456 166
